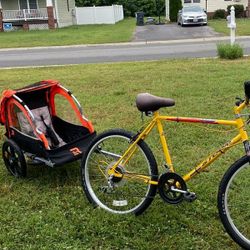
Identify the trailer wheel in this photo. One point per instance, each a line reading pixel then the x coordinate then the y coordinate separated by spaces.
pixel 14 159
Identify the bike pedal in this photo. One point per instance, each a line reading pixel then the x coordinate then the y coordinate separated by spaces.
pixel 190 196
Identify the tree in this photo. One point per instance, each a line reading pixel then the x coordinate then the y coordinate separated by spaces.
pixel 238 8
pixel 130 7
pixel 174 7
pixel 85 3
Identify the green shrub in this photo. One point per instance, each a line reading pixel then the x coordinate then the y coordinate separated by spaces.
pixel 239 10
pixel 219 14
pixel 130 7
pixel 174 7
pixel 228 51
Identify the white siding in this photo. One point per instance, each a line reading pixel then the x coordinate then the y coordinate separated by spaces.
pixel 221 4
pixel 41 3
pixel 10 5
pixel 213 5
pixel 65 12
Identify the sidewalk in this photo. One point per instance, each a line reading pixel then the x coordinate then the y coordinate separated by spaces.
pixel 133 43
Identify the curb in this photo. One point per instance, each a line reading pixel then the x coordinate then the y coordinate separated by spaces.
pixel 139 43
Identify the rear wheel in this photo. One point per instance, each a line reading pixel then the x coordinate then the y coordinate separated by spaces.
pixel 234 202
pixel 14 159
pixel 127 193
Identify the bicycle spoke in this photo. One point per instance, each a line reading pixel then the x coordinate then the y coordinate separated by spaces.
pixel 234 202
pixel 118 189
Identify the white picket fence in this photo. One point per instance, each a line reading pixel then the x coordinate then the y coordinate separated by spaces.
pixel 99 15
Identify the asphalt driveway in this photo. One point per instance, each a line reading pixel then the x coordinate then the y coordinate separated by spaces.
pixel 172 32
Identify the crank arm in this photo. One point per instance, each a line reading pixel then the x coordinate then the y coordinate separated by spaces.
pixel 185 192
pixel 189 196
pixel 179 190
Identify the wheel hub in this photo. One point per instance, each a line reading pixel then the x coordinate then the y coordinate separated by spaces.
pixel 116 180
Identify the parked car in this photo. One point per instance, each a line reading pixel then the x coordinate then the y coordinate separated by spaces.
pixel 192 15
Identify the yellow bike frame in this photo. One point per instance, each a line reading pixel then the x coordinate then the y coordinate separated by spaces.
pixel 157 121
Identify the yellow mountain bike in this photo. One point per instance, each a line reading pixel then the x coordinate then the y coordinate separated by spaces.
pixel 120 174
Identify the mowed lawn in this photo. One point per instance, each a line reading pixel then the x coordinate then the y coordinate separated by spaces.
pixel 81 34
pixel 242 26
pixel 95 34
pixel 47 210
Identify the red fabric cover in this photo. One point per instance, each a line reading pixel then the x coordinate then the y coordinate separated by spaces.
pixel 5 96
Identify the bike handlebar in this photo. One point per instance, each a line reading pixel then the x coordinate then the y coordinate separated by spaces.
pixel 239 101
pixel 247 90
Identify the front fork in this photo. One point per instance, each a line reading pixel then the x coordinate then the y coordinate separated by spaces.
pixel 241 126
pixel 247 149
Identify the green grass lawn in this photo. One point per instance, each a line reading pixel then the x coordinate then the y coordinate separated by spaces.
pixel 242 28
pixel 82 34
pixel 48 210
pixel 94 34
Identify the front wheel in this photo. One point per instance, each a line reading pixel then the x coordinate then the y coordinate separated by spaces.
pixel 234 202
pixel 130 191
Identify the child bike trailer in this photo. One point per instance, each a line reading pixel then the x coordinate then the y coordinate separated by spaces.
pixel 44 124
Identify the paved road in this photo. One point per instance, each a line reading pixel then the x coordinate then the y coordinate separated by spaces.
pixel 113 53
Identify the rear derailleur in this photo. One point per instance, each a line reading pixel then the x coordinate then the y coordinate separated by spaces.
pixel 173 189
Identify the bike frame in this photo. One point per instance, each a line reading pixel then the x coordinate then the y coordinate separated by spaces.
pixel 157 120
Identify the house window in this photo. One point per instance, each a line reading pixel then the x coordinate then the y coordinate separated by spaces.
pixel 23 4
pixel 187 1
pixel 28 4
pixel 196 1
pixel 33 4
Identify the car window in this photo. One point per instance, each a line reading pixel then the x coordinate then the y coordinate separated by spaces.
pixel 192 9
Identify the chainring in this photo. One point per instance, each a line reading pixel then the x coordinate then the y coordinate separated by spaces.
pixel 166 182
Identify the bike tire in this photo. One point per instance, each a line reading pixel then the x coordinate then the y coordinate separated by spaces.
pixel 128 195
pixel 234 202
pixel 14 159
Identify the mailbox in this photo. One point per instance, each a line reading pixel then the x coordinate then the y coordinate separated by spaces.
pixel 230 23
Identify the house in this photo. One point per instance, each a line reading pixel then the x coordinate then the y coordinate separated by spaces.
pixel 210 6
pixel 37 14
